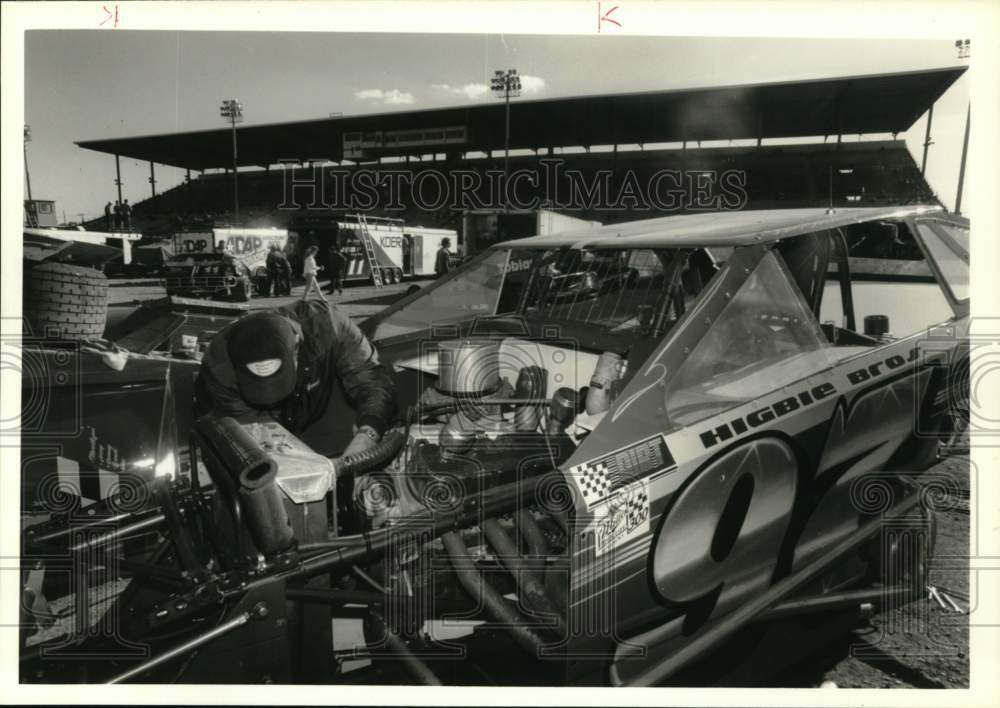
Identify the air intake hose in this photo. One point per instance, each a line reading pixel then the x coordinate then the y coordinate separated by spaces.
pixel 531 383
pixel 251 474
pixel 376 456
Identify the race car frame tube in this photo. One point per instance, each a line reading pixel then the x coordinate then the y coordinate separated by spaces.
pixel 99 520
pixel 349 550
pixel 721 629
pixel 188 646
pixel 876 597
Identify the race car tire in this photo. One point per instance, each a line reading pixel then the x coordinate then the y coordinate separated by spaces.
pixel 65 301
pixel 243 292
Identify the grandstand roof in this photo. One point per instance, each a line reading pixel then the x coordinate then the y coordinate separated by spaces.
pixel 883 103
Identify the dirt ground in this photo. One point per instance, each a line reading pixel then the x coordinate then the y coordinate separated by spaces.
pixel 920 645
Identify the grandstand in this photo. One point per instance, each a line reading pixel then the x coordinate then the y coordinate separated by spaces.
pixel 632 128
pixel 855 174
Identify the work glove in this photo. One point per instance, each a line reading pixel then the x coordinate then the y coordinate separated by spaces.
pixel 364 437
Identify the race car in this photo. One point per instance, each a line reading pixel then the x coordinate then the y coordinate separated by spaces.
pixel 693 478
pixel 210 276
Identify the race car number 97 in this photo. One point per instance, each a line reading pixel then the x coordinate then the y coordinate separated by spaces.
pixel 722 536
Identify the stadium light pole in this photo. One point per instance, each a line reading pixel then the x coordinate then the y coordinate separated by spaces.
pixel 27 174
pixel 506 84
pixel 232 111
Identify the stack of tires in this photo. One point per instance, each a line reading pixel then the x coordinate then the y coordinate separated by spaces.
pixel 65 301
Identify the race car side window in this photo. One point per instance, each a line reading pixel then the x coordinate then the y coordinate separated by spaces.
pixel 764 335
pixel 953 267
pixel 807 258
pixel 890 282
pixel 472 292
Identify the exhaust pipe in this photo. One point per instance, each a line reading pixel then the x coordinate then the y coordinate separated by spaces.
pixel 398 649
pixel 488 597
pixel 529 586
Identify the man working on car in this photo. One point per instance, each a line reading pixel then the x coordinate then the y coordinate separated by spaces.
pixel 282 365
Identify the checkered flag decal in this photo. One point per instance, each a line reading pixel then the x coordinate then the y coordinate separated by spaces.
pixel 598 479
pixel 594 480
pixel 637 506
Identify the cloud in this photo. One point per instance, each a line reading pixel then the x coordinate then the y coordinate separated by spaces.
pixel 474 92
pixel 391 97
pixel 532 84
pixel 470 91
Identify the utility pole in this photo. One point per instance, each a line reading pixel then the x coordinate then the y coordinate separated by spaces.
pixel 964 50
pixel 961 167
pixel 232 110
pixel 27 174
pixel 506 84
pixel 118 177
pixel 927 139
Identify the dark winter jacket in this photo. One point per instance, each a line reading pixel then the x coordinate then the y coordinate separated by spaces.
pixel 442 264
pixel 332 349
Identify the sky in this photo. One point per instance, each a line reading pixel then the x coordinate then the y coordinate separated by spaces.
pixel 82 85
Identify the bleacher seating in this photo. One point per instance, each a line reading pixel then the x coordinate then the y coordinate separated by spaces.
pixel 860 174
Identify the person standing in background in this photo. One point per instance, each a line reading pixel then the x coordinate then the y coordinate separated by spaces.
pixel 309 271
pixel 273 277
pixel 118 215
pixel 127 215
pixel 284 284
pixel 442 264
pixel 229 265
pixel 337 263
pixel 108 223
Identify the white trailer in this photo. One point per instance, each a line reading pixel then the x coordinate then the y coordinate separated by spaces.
pixel 409 250
pixel 400 251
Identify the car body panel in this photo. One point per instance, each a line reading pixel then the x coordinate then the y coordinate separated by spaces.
pixel 715 229
pixel 641 480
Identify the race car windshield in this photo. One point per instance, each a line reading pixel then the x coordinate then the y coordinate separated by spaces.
pixel 622 291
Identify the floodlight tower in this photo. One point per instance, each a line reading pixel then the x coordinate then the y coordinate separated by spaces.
pixel 506 84
pixel 232 111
